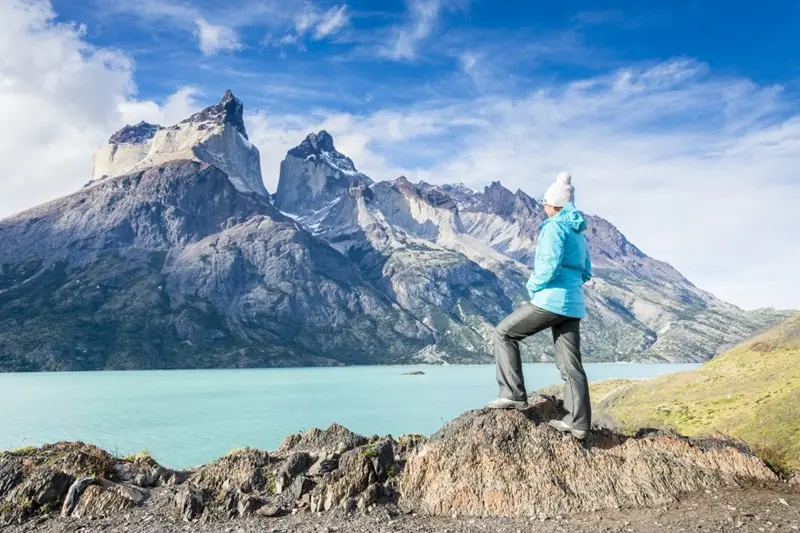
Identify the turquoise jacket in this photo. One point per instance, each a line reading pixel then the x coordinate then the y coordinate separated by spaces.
pixel 562 265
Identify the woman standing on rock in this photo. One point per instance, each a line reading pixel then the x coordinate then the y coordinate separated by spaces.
pixel 561 267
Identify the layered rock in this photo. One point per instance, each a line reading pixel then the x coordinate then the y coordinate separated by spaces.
pixel 215 135
pixel 511 464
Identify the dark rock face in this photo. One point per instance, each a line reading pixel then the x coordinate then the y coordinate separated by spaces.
pixel 137 134
pixel 230 110
pixel 315 174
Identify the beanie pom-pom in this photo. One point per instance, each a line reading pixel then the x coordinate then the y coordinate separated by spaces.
pixel 564 178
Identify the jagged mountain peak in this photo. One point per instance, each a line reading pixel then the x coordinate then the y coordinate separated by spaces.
pixel 403 184
pixel 315 143
pixel 230 110
pixel 314 174
pixel 216 135
pixel 319 147
pixel 135 134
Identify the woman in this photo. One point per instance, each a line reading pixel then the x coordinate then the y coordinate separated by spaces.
pixel 561 267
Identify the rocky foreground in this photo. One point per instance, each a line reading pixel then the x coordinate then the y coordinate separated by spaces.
pixel 500 471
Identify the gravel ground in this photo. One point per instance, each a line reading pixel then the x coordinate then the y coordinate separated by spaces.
pixel 763 508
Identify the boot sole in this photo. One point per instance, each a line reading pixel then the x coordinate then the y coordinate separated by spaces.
pixel 508 407
pixel 578 434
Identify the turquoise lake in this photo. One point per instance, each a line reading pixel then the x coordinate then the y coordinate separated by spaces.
pixel 188 417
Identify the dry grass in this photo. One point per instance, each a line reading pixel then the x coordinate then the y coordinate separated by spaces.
pixel 751 393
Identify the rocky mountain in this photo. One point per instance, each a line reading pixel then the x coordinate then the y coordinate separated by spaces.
pixel 174 255
pixel 458 259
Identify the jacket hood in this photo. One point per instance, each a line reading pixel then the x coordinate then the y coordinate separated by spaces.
pixel 570 218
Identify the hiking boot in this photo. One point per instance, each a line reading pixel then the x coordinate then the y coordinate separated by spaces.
pixel 563 427
pixel 504 403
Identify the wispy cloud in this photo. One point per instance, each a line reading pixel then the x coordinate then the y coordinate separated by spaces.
pixel 215 25
pixel 331 22
pixel 213 38
pixel 422 19
pixel 313 23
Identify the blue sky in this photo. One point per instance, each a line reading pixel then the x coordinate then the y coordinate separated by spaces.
pixel 359 65
pixel 679 121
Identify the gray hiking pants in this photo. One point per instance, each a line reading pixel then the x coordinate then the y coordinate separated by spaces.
pixel 524 322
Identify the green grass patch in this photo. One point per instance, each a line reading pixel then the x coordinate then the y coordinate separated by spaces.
pixel 143 454
pixel 370 452
pixel 25 451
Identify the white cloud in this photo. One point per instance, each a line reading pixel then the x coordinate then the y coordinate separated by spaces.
pixel 422 19
pixel 213 39
pixel 60 100
pixel 331 22
pixel 314 23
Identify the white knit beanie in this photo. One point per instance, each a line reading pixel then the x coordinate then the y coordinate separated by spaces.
pixel 561 192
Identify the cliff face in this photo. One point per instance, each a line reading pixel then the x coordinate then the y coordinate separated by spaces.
pixel 216 136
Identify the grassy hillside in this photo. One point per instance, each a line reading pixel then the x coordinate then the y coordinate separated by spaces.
pixel 751 392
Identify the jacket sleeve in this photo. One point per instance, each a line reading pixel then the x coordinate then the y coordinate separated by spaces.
pixel 586 275
pixel 549 252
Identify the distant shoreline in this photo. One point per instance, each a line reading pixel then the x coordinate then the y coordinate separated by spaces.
pixel 398 365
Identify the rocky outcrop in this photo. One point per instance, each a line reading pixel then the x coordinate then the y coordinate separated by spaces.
pixel 484 463
pixel 512 464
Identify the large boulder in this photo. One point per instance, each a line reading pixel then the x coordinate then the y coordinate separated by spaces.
pixel 105 498
pixel 336 489
pixel 244 470
pixel 510 463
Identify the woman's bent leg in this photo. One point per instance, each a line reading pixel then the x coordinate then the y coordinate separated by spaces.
pixel 523 322
pixel 567 339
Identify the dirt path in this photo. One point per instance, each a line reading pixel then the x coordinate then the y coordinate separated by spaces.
pixel 764 508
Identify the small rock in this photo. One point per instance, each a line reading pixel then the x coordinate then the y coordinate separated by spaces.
pixel 301 486
pixel 270 511
pixel 248 505
pixel 783 502
pixel 190 503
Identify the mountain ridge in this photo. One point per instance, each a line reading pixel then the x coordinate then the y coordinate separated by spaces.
pixel 174 238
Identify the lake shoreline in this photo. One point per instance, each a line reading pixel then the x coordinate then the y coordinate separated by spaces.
pixel 186 418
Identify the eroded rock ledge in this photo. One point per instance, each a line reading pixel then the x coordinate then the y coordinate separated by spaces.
pixel 482 464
